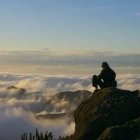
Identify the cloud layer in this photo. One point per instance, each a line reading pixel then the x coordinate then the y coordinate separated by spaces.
pixel 42 98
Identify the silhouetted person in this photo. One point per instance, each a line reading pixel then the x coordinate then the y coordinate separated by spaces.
pixel 106 78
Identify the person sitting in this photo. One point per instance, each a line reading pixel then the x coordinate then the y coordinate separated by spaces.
pixel 106 78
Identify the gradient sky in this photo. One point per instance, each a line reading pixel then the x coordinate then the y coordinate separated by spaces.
pixel 111 25
pixel 69 26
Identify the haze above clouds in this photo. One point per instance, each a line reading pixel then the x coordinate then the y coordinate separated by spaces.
pixel 80 62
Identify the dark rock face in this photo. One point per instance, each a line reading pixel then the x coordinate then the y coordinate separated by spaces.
pixel 128 131
pixel 107 113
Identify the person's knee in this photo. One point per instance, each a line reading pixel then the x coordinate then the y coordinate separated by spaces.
pixel 95 77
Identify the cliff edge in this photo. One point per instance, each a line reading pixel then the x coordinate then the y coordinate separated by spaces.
pixel 109 114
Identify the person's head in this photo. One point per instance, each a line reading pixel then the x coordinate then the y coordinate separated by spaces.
pixel 105 65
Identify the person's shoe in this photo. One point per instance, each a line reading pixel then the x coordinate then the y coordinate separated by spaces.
pixel 96 90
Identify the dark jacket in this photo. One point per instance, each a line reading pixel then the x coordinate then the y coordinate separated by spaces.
pixel 107 76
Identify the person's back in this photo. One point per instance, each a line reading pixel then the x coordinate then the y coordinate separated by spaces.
pixel 106 78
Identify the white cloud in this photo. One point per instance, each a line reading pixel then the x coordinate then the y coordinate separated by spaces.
pixel 129 82
pixel 41 98
pixel 23 121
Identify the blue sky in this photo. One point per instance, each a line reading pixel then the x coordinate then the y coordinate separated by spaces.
pixel 100 25
pixel 52 31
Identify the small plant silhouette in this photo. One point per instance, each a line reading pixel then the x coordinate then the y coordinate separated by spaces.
pixel 38 136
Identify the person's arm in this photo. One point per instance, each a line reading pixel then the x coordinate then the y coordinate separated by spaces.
pixel 100 76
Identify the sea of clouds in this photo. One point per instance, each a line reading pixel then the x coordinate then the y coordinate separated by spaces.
pixel 18 110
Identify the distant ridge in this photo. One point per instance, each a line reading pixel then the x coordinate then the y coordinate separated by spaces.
pixel 20 90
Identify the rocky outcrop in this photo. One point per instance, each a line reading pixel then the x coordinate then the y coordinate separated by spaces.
pixel 109 114
pixel 129 131
pixel 19 90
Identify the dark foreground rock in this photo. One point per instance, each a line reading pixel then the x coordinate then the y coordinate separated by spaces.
pixel 110 114
pixel 128 131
